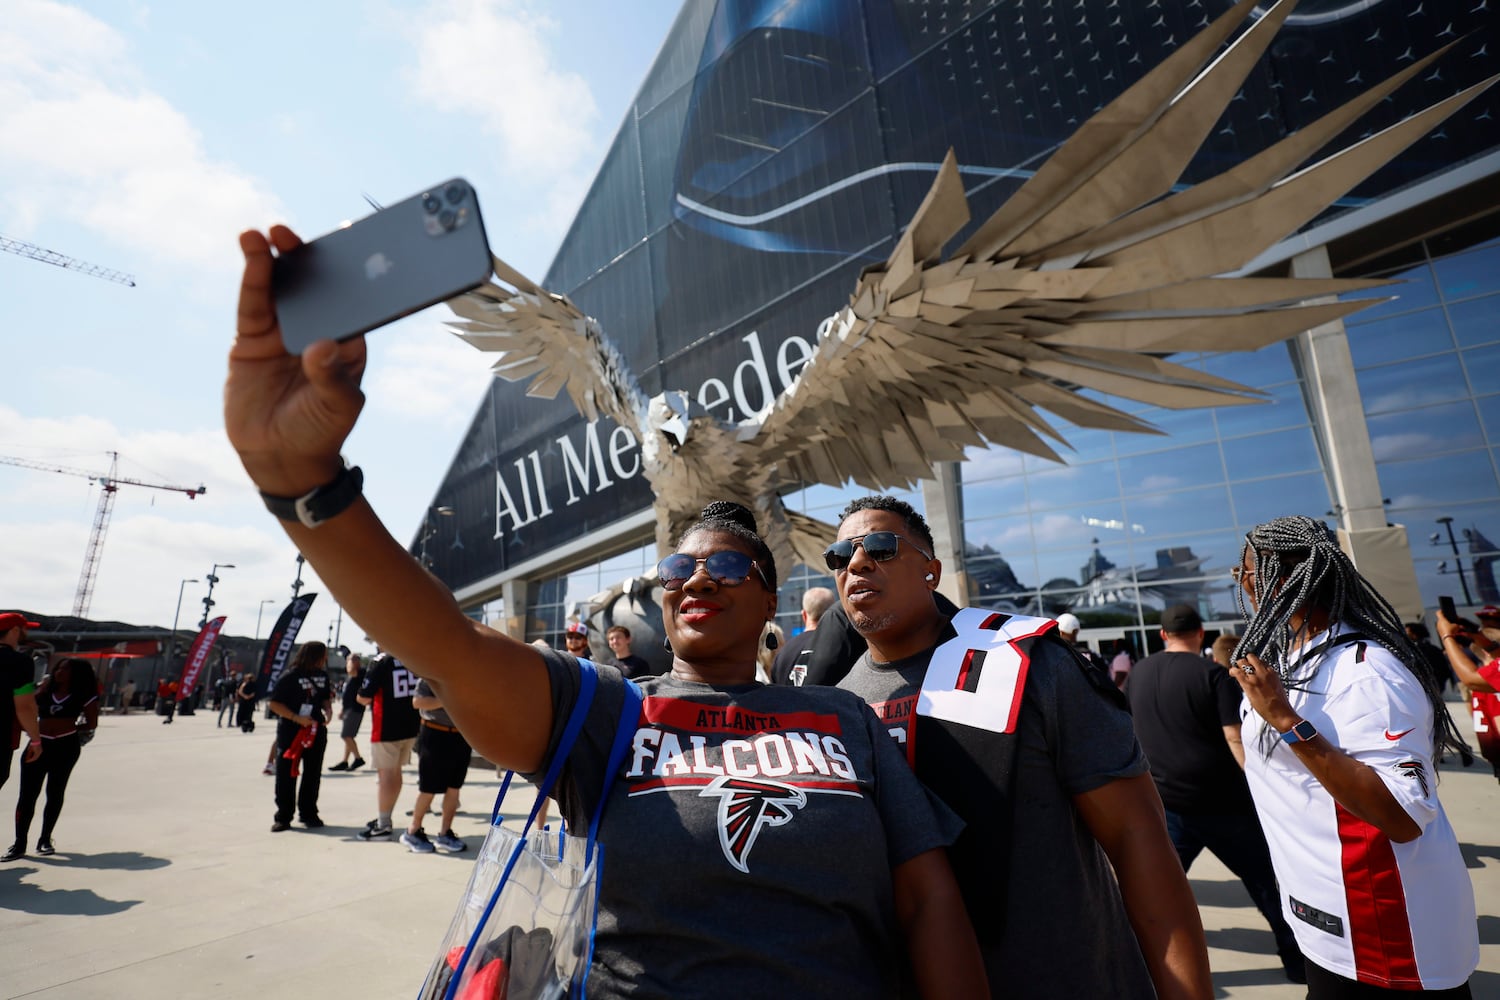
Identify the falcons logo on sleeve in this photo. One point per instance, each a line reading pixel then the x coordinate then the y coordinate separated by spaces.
pixel 1414 769
pixel 746 806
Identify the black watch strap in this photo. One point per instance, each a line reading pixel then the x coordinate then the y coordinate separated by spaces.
pixel 327 501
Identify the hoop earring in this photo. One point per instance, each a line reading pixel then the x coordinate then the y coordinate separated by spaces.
pixel 666 644
pixel 771 642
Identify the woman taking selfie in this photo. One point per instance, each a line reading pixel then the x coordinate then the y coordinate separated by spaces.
pixel 67 707
pixel 844 860
pixel 1340 745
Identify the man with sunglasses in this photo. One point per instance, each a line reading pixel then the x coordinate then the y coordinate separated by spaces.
pixel 1004 723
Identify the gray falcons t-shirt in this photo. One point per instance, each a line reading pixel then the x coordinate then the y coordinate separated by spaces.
pixel 748 841
pixel 1064 931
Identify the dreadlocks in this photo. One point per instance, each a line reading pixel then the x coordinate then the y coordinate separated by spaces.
pixel 1299 567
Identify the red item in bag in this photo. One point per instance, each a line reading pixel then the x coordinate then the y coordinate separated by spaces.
pixel 300 742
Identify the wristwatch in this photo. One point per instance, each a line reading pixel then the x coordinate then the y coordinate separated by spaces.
pixel 1300 733
pixel 318 505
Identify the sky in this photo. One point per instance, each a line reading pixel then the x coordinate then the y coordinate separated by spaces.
pixel 143 137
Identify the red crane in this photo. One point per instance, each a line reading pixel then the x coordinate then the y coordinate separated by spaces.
pixel 109 484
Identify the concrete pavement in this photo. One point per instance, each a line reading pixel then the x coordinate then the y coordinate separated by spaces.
pixel 168 883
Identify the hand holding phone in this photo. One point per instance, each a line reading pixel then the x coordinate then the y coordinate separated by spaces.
pixel 407 256
pixel 1446 606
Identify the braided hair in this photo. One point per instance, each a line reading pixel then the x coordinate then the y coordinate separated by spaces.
pixel 1298 567
pixel 735 519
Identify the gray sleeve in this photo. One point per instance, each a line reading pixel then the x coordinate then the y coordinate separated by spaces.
pixel 915 820
pixel 1091 739
pixel 582 777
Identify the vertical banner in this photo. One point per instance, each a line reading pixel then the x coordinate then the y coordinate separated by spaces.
pixel 197 656
pixel 281 640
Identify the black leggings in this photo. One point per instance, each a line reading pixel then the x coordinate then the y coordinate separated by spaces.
pixel 54 766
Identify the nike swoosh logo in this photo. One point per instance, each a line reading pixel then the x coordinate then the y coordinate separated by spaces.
pixel 1393 737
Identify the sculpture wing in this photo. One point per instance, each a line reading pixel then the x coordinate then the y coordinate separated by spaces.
pixel 1084 279
pixel 544 337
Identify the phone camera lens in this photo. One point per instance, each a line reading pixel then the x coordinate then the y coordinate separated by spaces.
pixel 447 218
pixel 455 193
pixel 431 203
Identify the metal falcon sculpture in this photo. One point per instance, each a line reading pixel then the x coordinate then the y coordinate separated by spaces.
pixel 1084 279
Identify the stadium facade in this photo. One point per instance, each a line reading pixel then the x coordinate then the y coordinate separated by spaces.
pixel 776 148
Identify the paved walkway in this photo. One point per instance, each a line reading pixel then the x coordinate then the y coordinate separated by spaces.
pixel 168 883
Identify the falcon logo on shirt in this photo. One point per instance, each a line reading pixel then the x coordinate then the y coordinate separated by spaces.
pixel 748 805
pixel 1414 769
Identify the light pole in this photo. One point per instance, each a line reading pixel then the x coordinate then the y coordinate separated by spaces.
pixel 297 583
pixel 208 598
pixel 260 611
pixel 428 530
pixel 172 642
pixel 1447 522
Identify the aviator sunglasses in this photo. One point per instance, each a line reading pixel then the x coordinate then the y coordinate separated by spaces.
pixel 880 546
pixel 727 568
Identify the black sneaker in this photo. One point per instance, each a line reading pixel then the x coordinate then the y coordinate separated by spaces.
pixel 44 848
pixel 375 832
pixel 359 762
pixel 314 824
pixel 279 826
pixel 16 850
pixel 342 765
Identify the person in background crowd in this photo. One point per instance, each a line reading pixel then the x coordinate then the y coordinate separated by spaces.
pixel 166 700
pixel 1437 664
pixel 576 640
pixel 1462 643
pixel 442 765
pixel 1187 716
pixel 127 696
pixel 224 700
pixel 790 665
pixel 769 642
pixel 351 714
pixel 1340 745
pixel 301 699
pixel 394 722
pixel 17 692
pixel 1119 667
pixel 618 637
pixel 1068 627
pixel 68 694
pixel 245 698
pixel 1223 649
pixel 1064 862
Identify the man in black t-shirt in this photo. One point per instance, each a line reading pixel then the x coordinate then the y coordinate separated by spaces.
pixel 790 665
pixel 17 691
pixel 351 714
pixel 1187 717
pixel 618 637
pixel 387 691
pixel 301 699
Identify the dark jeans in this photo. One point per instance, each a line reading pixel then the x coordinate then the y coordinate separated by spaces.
pixel 1238 842
pixel 53 767
pixel 305 797
pixel 1324 985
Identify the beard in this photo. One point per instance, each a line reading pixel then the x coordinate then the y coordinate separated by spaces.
pixel 868 624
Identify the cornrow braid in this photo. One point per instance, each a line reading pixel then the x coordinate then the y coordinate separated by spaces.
pixel 1299 566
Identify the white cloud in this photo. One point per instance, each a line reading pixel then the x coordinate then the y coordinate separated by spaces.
pixel 82 138
pixel 430 376
pixel 496 61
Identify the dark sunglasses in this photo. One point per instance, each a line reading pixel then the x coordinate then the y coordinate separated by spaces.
pixel 880 546
pixel 728 569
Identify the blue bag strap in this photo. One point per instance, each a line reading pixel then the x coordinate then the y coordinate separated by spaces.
pixel 630 715
pixel 588 682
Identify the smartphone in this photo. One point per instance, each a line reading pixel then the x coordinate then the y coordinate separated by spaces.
pixel 403 258
pixel 1445 605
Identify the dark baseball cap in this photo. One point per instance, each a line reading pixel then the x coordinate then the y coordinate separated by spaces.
pixel 1181 618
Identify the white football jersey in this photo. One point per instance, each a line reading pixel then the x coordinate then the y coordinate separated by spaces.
pixel 1399 916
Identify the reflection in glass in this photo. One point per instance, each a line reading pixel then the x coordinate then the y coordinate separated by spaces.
pixel 1180 468
pixel 1413 383
pixel 1262 500
pixel 1409 335
pixel 1425 432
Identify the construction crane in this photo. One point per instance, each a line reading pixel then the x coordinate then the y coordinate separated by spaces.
pixel 109 484
pixel 46 256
